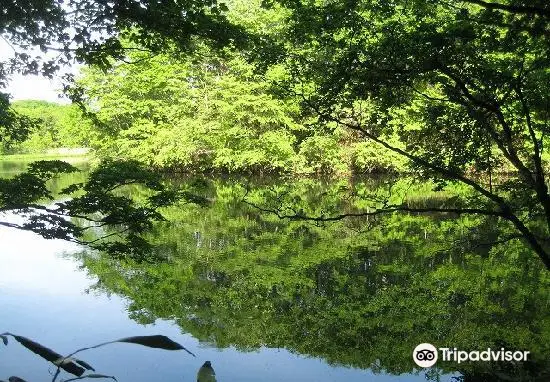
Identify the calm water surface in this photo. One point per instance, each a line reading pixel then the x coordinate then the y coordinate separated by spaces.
pixel 271 300
pixel 43 296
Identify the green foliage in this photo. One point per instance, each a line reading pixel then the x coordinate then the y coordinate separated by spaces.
pixel 89 31
pixel 14 127
pixel 86 30
pixel 90 207
pixel 209 112
pixel 200 113
pixel 458 90
pixel 60 126
pixel 320 153
pixel 368 157
pixel 240 277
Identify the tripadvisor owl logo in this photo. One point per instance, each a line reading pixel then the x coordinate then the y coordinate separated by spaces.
pixel 425 355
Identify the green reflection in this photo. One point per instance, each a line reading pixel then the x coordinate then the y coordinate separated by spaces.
pixel 356 292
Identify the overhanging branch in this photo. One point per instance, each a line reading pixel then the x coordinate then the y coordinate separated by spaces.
pixel 514 9
pixel 376 212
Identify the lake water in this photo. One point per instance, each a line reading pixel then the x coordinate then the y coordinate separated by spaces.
pixel 43 297
pixel 266 299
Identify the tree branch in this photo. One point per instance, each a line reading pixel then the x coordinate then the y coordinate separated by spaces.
pixel 375 212
pixel 506 210
pixel 507 146
pixel 515 9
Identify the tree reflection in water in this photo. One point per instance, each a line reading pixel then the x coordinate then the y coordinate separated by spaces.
pixel 356 292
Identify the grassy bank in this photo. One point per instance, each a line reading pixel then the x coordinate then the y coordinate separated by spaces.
pixel 60 153
pixel 73 158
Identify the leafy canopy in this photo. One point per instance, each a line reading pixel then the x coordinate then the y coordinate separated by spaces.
pixel 94 211
pixel 459 89
pixel 463 85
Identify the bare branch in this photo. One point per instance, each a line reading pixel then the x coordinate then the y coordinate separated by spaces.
pixel 375 212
